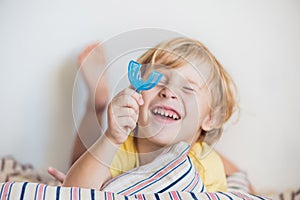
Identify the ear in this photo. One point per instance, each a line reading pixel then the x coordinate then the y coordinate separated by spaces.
pixel 207 124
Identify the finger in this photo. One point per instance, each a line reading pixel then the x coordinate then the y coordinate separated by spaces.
pixel 125 124
pixel 58 175
pixel 137 96
pixel 127 112
pixel 125 101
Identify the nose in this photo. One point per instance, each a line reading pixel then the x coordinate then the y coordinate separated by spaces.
pixel 167 93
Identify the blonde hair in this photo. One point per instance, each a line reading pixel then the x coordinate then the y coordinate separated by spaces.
pixel 176 53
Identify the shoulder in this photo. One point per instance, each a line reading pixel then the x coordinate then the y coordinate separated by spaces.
pixel 209 166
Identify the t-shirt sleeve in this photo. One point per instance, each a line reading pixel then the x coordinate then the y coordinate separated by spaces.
pixel 116 167
pixel 210 168
pixel 125 158
pixel 215 178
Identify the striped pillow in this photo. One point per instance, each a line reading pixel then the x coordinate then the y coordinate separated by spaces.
pixel 37 191
pixel 171 171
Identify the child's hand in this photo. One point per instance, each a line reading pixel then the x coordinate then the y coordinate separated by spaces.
pixel 123 112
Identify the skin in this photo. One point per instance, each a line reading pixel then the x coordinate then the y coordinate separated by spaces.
pixel 91 170
pixel 101 99
pixel 91 65
pixel 128 107
pixel 178 91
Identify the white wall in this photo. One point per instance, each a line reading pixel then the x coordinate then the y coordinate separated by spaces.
pixel 257 41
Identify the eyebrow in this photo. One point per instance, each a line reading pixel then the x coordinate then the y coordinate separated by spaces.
pixel 195 83
pixel 191 81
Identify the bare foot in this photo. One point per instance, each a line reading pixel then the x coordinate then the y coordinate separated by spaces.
pixel 92 64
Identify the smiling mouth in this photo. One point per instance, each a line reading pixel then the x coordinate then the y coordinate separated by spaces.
pixel 166 113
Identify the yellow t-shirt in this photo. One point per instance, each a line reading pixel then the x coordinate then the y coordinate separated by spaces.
pixel 210 168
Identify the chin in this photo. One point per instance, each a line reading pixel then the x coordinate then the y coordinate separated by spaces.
pixel 163 140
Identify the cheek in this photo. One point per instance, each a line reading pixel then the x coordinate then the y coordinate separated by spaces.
pixel 197 110
pixel 192 114
pixel 144 109
pixel 191 105
pixel 203 103
pixel 143 113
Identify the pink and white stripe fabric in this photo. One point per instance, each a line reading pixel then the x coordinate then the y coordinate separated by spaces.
pixel 238 182
pixel 30 191
pixel 171 171
pixel 170 176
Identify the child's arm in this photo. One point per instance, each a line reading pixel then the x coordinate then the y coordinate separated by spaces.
pixel 91 170
pixel 231 169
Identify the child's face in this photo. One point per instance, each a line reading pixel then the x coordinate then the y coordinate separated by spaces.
pixel 177 108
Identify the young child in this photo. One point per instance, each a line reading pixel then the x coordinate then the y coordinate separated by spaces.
pixel 191 103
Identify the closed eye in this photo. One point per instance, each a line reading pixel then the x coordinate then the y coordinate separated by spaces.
pixel 189 89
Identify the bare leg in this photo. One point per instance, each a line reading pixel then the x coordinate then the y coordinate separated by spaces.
pixel 91 64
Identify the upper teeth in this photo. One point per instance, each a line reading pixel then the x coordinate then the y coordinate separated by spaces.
pixel 166 113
